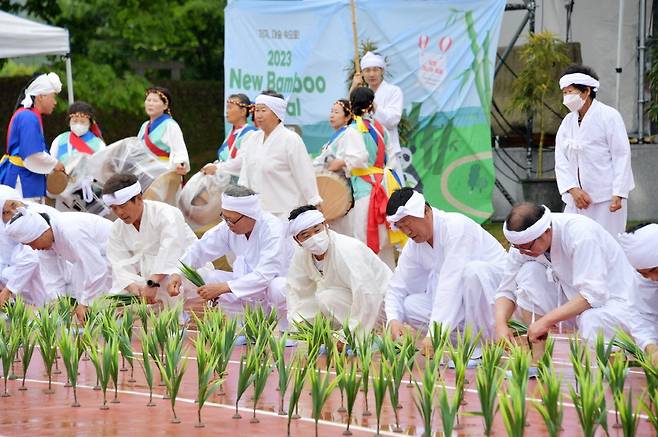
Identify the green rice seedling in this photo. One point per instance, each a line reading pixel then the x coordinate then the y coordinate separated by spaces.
pixel 489 380
pixel 321 388
pixel 261 374
pixel 65 308
pixel 408 345
pixel 550 406
pixel 298 377
pixel 104 363
pixel 440 336
pixel 629 416
pixel 512 403
pixel 396 369
pixel 110 330
pixel 348 336
pixel 191 274
pixel 351 382
pixel 579 359
pixel 628 345
pixel 142 312
pixel 222 347
pixel 615 370
pixel 448 410
pixel 379 386
pixel 340 362
pixel 173 368
pixel 364 352
pixel 10 341
pixel 461 355
pixel 518 328
pixel 277 348
pixel 206 385
pixel 71 347
pixel 603 349
pixel 258 323
pixel 650 406
pixel 145 343
pixel 426 392
pixel 589 402
pixel 248 364
pixel 126 325
pixel 28 342
pixel 47 324
pixel 546 360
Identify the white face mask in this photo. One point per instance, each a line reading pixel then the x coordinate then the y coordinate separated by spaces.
pixel 573 101
pixel 79 128
pixel 318 243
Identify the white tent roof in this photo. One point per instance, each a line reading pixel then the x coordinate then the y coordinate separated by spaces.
pixel 21 37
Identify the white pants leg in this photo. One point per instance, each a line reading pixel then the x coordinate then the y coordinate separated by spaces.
pixel 479 283
pixel 613 222
pixel 606 319
pixel 418 310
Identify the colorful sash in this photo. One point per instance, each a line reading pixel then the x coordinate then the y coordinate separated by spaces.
pixel 233 140
pixel 79 144
pixel 150 127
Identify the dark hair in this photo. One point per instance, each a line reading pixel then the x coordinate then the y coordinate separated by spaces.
pixel 82 107
pixel 161 91
pixel 399 198
pixel 361 100
pixel 272 93
pixel 298 211
pixel 523 215
pixel 243 102
pixel 579 68
pixel 638 227
pixel 18 215
pixel 347 108
pixel 118 182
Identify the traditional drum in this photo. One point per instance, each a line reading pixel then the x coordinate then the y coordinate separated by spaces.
pixel 336 193
pixel 200 199
pixel 164 188
pixel 56 182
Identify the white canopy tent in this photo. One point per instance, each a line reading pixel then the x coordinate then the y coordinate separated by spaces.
pixel 20 37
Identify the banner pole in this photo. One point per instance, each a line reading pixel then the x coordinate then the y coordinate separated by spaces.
pixel 357 66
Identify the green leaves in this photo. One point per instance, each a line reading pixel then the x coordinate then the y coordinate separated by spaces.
pixel 191 274
pixel 172 368
pixel 351 382
pixel 10 341
pixel 651 408
pixel 105 362
pixel 321 388
pixel 426 392
pixel 47 324
pixel 145 343
pixel 550 408
pixel 206 385
pixel 589 401
pixel 71 348
pixel 261 373
pixel 379 385
pixel 448 410
pixel 629 417
pixel 518 328
pixel 299 370
pixel 489 379
pixel 512 402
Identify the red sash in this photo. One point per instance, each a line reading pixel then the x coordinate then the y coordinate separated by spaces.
pixel 152 147
pixel 11 122
pixel 232 151
pixel 378 196
pixel 79 144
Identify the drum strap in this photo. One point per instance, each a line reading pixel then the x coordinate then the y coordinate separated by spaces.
pixel 79 144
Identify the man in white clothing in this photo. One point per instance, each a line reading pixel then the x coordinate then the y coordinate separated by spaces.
pixel 640 247
pixel 275 162
pixel 262 251
pixel 588 278
pixel 77 237
pixel 333 274
pixel 448 272
pixel 389 103
pixel 592 154
pixel 147 240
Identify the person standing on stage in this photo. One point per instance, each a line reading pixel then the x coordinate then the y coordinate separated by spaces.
pixel 389 103
pixel 26 160
pixel 592 154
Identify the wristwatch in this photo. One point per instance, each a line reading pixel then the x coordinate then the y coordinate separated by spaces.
pixel 152 284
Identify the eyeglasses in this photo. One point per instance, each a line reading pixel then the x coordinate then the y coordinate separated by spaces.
pixel 230 222
pixel 526 248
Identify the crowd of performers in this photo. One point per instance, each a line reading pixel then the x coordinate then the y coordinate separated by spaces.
pixel 578 268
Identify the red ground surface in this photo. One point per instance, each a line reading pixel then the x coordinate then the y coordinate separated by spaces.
pixel 34 413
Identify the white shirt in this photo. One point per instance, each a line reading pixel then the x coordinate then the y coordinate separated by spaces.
pixel 584 257
pixel 595 155
pixel 348 264
pixel 173 137
pixel 457 240
pixel 157 247
pixel 280 170
pixel 389 103
pixel 81 239
pixel 259 259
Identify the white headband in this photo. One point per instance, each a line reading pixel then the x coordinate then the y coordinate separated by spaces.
pixel 578 79
pixel 8 193
pixel 276 104
pixel 26 228
pixel 44 84
pixel 532 233
pixel 304 221
pixel 414 207
pixel 641 246
pixel 372 60
pixel 246 205
pixel 123 195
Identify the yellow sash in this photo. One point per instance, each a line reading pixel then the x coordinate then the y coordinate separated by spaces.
pixel 16 160
pixel 357 172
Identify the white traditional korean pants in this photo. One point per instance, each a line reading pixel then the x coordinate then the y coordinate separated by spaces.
pixel 613 222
